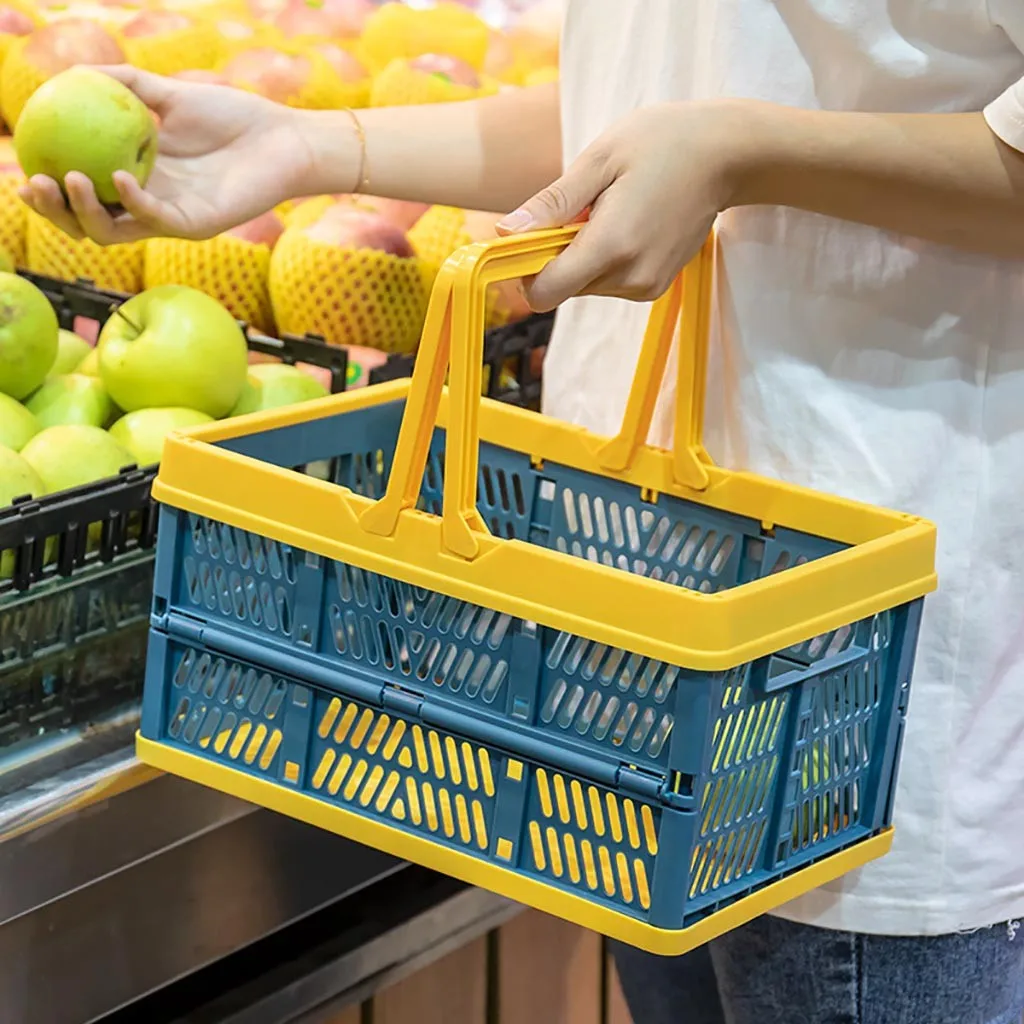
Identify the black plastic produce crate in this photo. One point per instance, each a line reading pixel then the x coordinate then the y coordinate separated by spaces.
pixel 74 602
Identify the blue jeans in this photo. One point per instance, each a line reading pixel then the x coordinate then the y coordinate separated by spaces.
pixel 774 972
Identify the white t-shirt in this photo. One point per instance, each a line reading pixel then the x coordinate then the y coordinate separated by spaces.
pixel 863 364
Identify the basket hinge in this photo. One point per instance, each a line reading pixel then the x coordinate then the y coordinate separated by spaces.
pixel 182 627
pixel 396 699
pixel 648 785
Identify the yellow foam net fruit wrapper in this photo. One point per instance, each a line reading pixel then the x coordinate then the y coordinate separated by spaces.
pixel 51 252
pixel 200 46
pixel 395 31
pixel 234 271
pixel 301 213
pixel 13 212
pixel 6 40
pixel 357 297
pixel 18 80
pixel 435 236
pixel 400 85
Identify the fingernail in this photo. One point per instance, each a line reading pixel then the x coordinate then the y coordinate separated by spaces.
pixel 517 220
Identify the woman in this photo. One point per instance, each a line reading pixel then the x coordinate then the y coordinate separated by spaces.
pixel 865 158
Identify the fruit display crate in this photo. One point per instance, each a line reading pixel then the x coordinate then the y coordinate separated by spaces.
pixel 76 575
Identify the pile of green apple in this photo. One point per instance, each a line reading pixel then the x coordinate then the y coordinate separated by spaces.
pixel 169 358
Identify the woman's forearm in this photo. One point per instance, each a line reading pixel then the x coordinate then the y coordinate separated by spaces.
pixel 486 154
pixel 942 177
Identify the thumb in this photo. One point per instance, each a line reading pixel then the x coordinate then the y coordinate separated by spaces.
pixel 564 201
pixel 153 90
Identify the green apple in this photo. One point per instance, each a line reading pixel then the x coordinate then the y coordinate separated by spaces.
pixel 83 120
pixel 173 347
pixel 271 385
pixel 142 432
pixel 17 424
pixel 90 365
pixel 17 478
pixel 73 455
pixel 73 398
pixel 28 336
pixel 71 351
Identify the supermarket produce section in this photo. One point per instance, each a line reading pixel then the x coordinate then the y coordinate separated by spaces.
pixel 128 894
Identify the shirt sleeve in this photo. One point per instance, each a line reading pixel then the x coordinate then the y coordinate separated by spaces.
pixel 1005 114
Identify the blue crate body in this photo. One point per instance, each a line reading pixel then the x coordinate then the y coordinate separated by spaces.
pixel 652 789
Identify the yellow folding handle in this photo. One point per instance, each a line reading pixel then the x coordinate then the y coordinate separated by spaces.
pixel 453 334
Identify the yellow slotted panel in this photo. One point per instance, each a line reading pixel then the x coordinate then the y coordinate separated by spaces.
pixel 436 754
pixel 421 750
pixel 330 717
pixel 355 780
pixel 388 792
pixel 323 768
pixel 589 867
pixel 485 771
pixel 405 758
pixel 579 805
pixel 373 781
pixel 561 798
pixel 545 794
pixel 397 732
pixel 462 814
pixel 445 802
pixel 650 832
pixel 429 807
pixel 537 845
pixel 606 870
pixel 398 809
pixel 258 736
pixel 643 890
pixel 377 736
pixel 625 882
pixel 632 830
pixel 470 763
pixel 480 825
pixel 361 729
pixel 554 851
pixel 572 862
pixel 222 739
pixel 346 723
pixel 241 735
pixel 413 796
pixel 267 757
pixel 339 774
pixel 613 817
pixel 454 767
pixel 596 813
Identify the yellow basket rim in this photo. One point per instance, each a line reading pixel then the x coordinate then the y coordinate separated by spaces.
pixel 890 559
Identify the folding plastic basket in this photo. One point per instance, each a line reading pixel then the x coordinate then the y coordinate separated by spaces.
pixel 626 686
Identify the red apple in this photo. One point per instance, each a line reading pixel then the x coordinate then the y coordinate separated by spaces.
pixel 399 212
pixel 263 230
pixel 347 68
pixel 456 71
pixel 15 23
pixel 57 47
pixel 272 73
pixel 156 23
pixel 358 229
pixel 234 29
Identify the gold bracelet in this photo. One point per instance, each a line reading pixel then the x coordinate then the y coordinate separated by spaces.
pixel 363 181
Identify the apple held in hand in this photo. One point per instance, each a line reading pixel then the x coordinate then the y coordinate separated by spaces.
pixel 83 120
pixel 173 346
pixel 273 385
pixel 28 336
pixel 72 398
pixel 143 432
pixel 70 456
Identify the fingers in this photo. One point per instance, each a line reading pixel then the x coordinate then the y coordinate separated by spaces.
pixel 563 201
pixel 43 195
pixel 155 91
pixel 98 223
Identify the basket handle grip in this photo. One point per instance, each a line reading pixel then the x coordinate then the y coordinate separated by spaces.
pixel 453 334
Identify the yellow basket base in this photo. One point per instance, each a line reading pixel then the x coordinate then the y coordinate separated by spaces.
pixel 491 876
